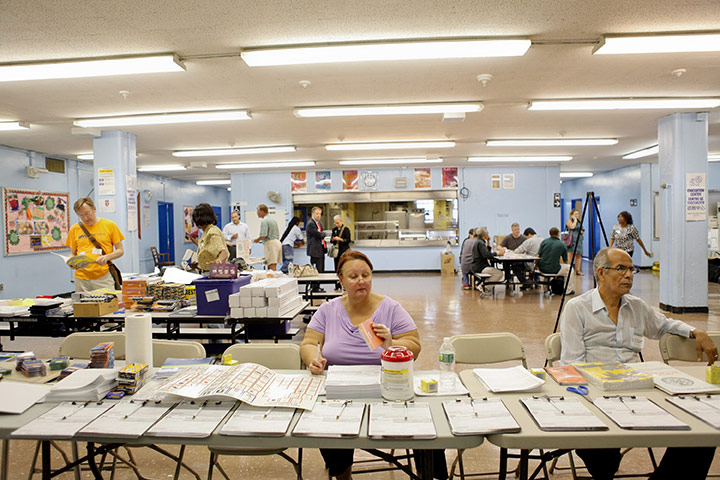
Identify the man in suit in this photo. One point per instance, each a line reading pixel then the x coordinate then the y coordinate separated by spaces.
pixel 316 247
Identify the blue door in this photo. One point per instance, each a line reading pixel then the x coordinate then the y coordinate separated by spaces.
pixel 166 229
pixel 218 212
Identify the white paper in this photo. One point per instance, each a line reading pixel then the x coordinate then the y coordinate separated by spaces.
pixel 479 416
pixel 212 295
pixel 191 419
pixel 508 181
pixel 132 202
pixel 63 421
pixel 331 418
pixel 146 216
pixel 248 420
pixel 19 396
pixel 514 379
pixel 176 275
pixel 106 181
pixel 106 205
pixel 128 419
pixel 138 339
pixel 704 407
pixel 562 414
pixel 671 380
pixel 407 419
pixel 632 412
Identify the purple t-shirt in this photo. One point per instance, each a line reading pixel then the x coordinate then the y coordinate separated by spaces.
pixel 344 345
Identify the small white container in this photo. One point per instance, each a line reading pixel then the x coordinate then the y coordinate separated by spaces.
pixel 397 374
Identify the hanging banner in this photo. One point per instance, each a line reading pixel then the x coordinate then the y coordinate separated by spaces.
pixel 298 182
pixel 695 197
pixel 323 183
pixel 132 202
pixel 422 178
pixel 350 180
pixel 449 177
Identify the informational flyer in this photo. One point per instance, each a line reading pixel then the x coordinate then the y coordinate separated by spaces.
pixel 422 178
pixel 495 180
pixel 298 182
pixel 106 181
pixel 132 202
pixel 106 205
pixel 508 181
pixel 695 197
pixel 350 180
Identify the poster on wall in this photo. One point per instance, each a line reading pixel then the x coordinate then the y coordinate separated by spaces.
pixel 35 221
pixel 695 197
pixel 508 181
pixel 298 182
pixel 106 181
pixel 106 205
pixel 495 180
pixel 132 204
pixel 422 178
pixel 188 223
pixel 323 183
pixel 146 216
pixel 350 180
pixel 449 177
pixel 369 180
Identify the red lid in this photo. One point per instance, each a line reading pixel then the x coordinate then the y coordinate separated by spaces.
pixel 397 354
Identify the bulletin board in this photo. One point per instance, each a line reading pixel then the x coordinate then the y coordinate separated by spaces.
pixel 35 221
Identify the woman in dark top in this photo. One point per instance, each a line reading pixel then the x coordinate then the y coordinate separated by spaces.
pixel 340 236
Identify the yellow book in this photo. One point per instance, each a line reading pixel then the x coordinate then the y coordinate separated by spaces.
pixel 614 376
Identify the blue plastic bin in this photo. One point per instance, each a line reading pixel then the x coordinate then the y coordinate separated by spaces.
pixel 212 293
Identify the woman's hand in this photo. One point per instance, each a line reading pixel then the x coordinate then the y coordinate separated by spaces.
pixel 317 366
pixel 384 333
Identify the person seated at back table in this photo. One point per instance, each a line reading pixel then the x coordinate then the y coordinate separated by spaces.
pixel 512 242
pixel 608 324
pixel 531 246
pixel 482 256
pixel 334 329
pixel 554 259
pixel 466 251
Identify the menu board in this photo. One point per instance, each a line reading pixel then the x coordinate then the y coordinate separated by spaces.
pixel 35 221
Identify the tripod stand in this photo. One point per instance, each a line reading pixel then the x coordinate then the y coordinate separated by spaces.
pixel 589 196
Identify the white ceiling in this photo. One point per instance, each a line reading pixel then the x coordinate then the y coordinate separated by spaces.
pixel 558 65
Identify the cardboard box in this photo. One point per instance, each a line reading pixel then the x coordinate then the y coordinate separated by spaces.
pixel 447 264
pixel 95 309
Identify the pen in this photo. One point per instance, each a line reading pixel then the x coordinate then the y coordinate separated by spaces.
pixel 138 408
pixel 562 412
pixel 472 404
pixel 76 411
pixel 405 410
pixel 345 403
pixel 269 411
pixel 626 405
pixel 197 412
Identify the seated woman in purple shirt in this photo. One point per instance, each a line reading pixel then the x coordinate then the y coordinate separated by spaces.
pixel 334 328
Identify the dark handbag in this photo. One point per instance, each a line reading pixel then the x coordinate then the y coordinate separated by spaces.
pixel 112 268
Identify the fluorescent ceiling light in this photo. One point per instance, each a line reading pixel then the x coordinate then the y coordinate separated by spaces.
pixel 624 104
pixel 575 174
pixel 7 126
pixel 161 168
pixel 713 157
pixel 92 67
pixel 645 152
pixel 213 182
pixel 227 166
pixel 164 118
pixel 389 145
pixel 539 158
pixel 409 50
pixel 390 161
pixel 666 43
pixel 418 109
pixel 551 142
pixel 85 156
pixel 220 152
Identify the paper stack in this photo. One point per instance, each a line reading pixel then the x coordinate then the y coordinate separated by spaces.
pixel 84 385
pixel 72 368
pixel 102 355
pixel 272 297
pixel 515 379
pixel 353 381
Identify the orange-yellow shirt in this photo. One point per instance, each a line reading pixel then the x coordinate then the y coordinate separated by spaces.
pixel 106 233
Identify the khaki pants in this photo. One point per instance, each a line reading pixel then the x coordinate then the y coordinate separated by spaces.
pixel 564 269
pixel 83 285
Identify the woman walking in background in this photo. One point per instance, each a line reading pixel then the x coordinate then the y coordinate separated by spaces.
pixel 624 234
pixel 575 228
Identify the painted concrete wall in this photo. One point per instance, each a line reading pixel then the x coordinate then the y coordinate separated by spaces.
pixel 44 274
pixel 529 204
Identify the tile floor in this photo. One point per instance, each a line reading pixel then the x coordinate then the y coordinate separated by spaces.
pixel 440 308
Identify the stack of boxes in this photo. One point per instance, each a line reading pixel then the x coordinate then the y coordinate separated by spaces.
pixel 272 297
pixel 133 288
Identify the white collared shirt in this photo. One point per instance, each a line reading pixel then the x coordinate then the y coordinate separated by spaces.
pixel 231 229
pixel 588 334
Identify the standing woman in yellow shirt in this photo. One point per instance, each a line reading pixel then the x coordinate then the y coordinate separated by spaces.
pixel 211 248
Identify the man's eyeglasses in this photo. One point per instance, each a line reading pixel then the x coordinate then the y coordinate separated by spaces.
pixel 621 269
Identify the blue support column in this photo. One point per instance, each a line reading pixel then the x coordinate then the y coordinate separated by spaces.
pixel 682 138
pixel 116 151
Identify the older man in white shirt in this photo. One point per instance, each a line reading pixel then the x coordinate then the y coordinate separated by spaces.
pixel 233 231
pixel 608 324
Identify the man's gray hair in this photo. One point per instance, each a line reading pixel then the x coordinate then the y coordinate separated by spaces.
pixel 601 260
pixel 515 225
pixel 481 231
pixel 337 217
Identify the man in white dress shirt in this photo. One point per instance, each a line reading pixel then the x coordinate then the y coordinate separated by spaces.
pixel 234 230
pixel 608 324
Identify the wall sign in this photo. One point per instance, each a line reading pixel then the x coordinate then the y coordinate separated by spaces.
pixel 695 197
pixel 35 221
pixel 557 200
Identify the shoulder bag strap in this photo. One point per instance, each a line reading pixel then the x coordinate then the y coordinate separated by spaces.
pixel 92 238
